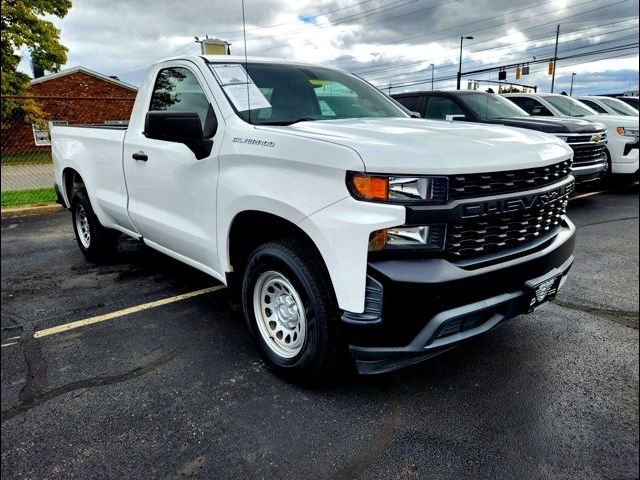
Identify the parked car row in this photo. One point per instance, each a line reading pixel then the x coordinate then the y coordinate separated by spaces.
pixel 604 143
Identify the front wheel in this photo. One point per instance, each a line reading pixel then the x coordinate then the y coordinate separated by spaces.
pixel 96 242
pixel 290 309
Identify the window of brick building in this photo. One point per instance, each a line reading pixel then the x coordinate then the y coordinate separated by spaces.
pixel 41 135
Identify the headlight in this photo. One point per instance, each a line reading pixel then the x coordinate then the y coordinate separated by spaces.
pixel 627 132
pixel 564 139
pixel 398 189
pixel 408 237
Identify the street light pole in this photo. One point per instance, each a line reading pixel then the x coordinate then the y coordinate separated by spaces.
pixel 460 61
pixel 571 89
pixel 555 60
pixel 432 71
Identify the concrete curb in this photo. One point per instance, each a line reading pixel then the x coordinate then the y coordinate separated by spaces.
pixel 23 212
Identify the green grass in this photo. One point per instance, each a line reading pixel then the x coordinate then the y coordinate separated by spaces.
pixel 26 158
pixel 24 198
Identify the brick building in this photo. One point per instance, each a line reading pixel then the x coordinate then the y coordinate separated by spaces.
pixel 73 96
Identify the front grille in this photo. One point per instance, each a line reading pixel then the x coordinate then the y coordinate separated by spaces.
pixel 502 232
pixel 580 138
pixel 588 154
pixel 480 184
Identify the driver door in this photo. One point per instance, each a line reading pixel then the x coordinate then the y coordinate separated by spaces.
pixel 172 195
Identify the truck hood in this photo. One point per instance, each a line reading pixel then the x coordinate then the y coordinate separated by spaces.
pixel 613 121
pixel 415 146
pixel 549 124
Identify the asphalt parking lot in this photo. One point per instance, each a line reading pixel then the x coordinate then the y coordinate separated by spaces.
pixel 178 390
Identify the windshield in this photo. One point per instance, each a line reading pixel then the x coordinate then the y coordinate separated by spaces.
pixel 569 106
pixel 293 93
pixel 491 106
pixel 619 106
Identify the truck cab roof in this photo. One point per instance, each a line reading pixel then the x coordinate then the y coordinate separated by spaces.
pixel 236 59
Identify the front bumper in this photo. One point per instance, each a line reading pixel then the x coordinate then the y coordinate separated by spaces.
pixel 418 308
pixel 625 157
pixel 589 173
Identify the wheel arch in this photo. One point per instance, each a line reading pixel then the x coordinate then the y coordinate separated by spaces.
pixel 251 228
pixel 72 181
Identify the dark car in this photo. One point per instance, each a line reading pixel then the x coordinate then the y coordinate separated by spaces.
pixel 587 139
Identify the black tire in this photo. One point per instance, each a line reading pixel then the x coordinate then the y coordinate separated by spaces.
pixel 102 242
pixel 302 268
pixel 608 180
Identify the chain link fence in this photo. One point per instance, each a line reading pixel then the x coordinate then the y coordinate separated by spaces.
pixel 25 145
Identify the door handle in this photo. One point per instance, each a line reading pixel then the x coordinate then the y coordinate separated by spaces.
pixel 141 156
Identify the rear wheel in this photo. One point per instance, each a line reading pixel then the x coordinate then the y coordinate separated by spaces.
pixel 96 242
pixel 290 309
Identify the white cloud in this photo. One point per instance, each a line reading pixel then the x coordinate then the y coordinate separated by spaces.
pixel 400 38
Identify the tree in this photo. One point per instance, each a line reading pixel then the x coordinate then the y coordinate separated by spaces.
pixel 23 26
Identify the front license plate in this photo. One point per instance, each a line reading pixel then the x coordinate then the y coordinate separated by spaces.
pixel 542 292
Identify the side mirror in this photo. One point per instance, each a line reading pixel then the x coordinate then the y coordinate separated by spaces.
pixel 178 127
pixel 454 117
pixel 415 115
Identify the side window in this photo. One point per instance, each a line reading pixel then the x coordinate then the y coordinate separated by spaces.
pixel 524 103
pixel 439 107
pixel 412 103
pixel 177 89
pixel 531 106
pixel 594 105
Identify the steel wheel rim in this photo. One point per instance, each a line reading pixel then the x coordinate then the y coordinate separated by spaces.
pixel 82 226
pixel 280 314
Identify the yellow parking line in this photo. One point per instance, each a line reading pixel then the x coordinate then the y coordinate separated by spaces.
pixel 121 313
pixel 590 194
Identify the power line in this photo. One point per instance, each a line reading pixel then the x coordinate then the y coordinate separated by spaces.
pixel 357 16
pixel 368 23
pixel 515 22
pixel 538 61
pixel 453 77
pixel 530 51
pixel 403 65
pixel 291 23
pixel 178 51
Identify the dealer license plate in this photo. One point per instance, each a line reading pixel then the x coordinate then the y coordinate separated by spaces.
pixel 542 292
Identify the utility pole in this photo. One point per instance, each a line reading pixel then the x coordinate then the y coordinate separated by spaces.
pixel 432 71
pixel 555 60
pixel 460 62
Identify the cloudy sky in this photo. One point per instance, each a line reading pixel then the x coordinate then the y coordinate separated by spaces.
pixel 386 41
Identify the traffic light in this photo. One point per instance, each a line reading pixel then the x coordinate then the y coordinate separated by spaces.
pixel 502 75
pixel 551 67
pixel 518 72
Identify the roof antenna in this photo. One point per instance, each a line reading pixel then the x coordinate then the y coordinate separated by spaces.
pixel 246 62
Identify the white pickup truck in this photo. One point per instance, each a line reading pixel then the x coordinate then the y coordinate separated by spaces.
pixel 339 223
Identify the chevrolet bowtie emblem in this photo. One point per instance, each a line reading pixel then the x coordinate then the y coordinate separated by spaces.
pixel 596 138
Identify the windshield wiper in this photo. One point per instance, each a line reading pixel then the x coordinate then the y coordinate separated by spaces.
pixel 289 122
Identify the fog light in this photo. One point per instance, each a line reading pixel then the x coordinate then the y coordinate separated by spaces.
pixel 408 235
pixel 422 237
